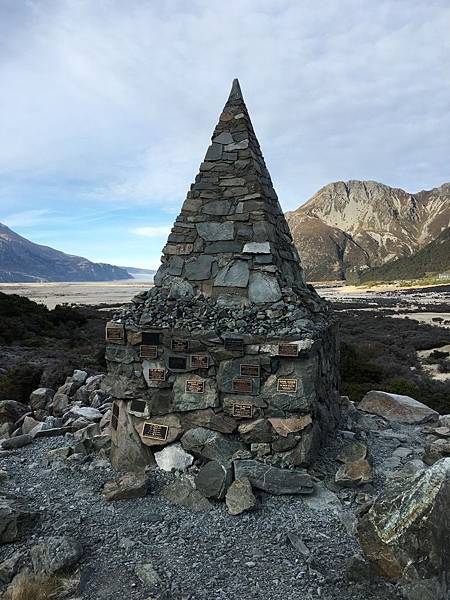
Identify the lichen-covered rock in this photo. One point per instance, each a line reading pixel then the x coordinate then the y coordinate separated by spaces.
pixel 405 534
pixel 183 493
pixel 272 479
pixel 41 397
pixel 55 555
pixel 240 497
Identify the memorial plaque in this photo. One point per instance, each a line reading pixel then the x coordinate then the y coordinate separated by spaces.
pixel 249 370
pixel 156 374
pixel 177 362
pixel 180 345
pixel 287 349
pixel 234 344
pixel 242 386
pixel 199 361
pixel 138 406
pixel 115 415
pixel 243 411
pixel 115 332
pixel 150 338
pixel 155 431
pixel 287 385
pixel 195 386
pixel 149 351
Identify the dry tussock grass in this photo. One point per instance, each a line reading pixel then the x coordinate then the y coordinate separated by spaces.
pixel 39 587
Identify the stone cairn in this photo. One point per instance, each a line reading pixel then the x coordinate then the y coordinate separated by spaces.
pixel 230 352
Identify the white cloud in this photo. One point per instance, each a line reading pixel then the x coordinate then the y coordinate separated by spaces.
pixel 26 218
pixel 153 232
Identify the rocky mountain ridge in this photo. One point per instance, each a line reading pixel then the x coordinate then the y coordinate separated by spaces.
pixel 25 261
pixel 349 227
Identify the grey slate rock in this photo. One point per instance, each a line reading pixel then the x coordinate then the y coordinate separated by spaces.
pixel 199 267
pixel 263 288
pixel 212 231
pixel 16 442
pixel 183 493
pixel 213 479
pixel 239 497
pixel 210 445
pixel 235 274
pixel 272 479
pixel 214 152
pixel 55 555
pixel 15 517
pixel 224 138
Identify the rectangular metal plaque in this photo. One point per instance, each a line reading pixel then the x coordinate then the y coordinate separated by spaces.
pixel 157 374
pixel 115 415
pixel 115 332
pixel 148 351
pixel 180 345
pixel 241 385
pixel 249 370
pixel 287 349
pixel 195 386
pixel 138 406
pixel 155 431
pixel 177 362
pixel 199 361
pixel 287 385
pixel 234 344
pixel 243 411
pixel 150 338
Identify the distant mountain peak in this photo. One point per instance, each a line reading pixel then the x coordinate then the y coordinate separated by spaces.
pixel 350 226
pixel 24 261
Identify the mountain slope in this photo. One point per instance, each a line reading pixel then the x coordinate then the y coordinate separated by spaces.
pixel 25 261
pixel 432 258
pixel 348 227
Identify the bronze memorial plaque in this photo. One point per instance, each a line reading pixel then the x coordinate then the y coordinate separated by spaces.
pixel 240 385
pixel 138 406
pixel 243 411
pixel 234 344
pixel 155 431
pixel 115 332
pixel 249 370
pixel 179 345
pixel 287 349
pixel 148 351
pixel 178 363
pixel 287 385
pixel 195 386
pixel 150 338
pixel 199 361
pixel 156 374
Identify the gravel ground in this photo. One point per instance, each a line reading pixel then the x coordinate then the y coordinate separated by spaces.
pixel 197 555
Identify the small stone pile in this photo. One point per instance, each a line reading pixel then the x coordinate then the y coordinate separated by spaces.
pixel 231 353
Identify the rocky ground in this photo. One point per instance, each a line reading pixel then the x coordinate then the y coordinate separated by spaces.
pixel 149 547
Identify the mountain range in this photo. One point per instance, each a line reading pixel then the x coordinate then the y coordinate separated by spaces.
pixel 25 261
pixel 347 228
pixel 354 231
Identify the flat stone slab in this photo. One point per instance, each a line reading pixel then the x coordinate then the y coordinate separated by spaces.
pixel 395 407
pixel 212 231
pixel 272 479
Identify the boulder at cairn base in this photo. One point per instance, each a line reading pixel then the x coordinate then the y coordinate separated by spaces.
pixel 230 351
pixel 406 533
pixel 394 407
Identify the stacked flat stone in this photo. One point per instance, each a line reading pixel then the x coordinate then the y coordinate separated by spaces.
pixel 231 237
pixel 231 352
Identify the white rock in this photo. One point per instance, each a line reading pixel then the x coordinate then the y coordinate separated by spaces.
pixel 256 248
pixel 91 414
pixel 79 376
pixel 173 457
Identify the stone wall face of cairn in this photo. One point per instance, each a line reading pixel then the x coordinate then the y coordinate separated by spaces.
pixel 230 352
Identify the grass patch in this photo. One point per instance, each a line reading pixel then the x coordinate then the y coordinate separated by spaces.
pixel 28 586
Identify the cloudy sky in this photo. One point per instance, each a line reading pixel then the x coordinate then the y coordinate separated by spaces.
pixel 107 106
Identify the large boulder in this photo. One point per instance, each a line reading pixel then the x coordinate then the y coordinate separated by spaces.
pixel 41 397
pixel 394 407
pixel 15 516
pixel 11 411
pixel 55 555
pixel 272 479
pixel 405 535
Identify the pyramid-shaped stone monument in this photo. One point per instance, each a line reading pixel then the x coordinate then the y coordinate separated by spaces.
pixel 231 237
pixel 231 354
